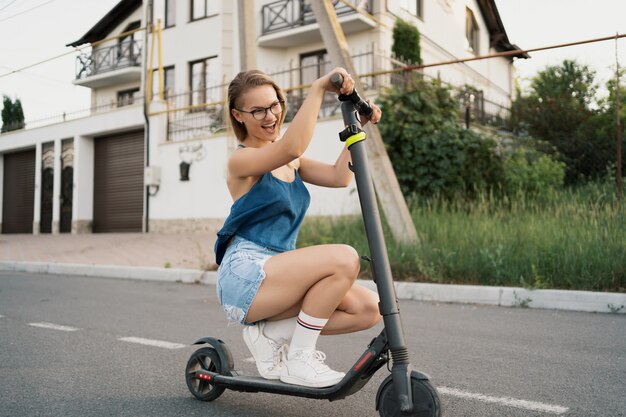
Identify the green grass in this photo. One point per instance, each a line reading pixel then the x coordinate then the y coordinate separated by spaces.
pixel 571 239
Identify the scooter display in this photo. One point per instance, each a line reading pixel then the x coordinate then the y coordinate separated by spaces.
pixel 404 392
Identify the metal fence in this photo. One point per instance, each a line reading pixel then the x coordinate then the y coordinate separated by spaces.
pixel 201 112
pixel 288 14
pixel 125 54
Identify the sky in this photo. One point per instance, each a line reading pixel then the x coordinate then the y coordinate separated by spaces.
pixel 34 30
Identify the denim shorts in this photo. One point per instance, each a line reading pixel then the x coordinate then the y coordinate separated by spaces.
pixel 239 277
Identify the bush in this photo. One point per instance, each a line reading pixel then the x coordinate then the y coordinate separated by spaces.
pixel 432 154
pixel 532 172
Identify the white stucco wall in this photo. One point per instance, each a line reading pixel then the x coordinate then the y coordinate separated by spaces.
pixel 204 195
pixel 189 41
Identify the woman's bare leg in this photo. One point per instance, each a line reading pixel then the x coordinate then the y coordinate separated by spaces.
pixel 357 311
pixel 317 277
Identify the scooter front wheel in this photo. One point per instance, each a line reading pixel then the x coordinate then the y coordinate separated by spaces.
pixel 207 359
pixel 425 399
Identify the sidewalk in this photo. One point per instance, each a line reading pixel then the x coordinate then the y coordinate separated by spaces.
pixel 189 258
pixel 187 251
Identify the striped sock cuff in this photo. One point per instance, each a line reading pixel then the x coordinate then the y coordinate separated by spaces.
pixel 309 326
pixel 311 323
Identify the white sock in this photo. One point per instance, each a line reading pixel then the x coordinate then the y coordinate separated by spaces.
pixel 307 331
pixel 280 331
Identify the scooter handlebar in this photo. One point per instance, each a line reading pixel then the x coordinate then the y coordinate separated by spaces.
pixel 361 105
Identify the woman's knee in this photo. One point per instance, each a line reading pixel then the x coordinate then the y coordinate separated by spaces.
pixel 347 261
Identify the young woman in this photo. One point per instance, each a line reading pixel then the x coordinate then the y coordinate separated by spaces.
pixel 285 296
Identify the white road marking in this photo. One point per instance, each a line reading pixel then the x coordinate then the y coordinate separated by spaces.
pixel 508 401
pixel 152 342
pixel 54 327
pixel 1 316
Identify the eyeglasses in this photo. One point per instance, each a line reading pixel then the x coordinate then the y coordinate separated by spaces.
pixel 260 114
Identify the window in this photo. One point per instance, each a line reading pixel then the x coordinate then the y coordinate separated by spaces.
pixel 415 7
pixel 313 65
pixel 203 81
pixel 203 8
pixel 168 82
pixel 127 97
pixel 170 13
pixel 471 32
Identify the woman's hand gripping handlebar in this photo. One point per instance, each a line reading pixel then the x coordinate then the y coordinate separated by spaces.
pixel 363 107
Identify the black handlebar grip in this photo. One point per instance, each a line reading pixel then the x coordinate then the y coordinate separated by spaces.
pixel 361 105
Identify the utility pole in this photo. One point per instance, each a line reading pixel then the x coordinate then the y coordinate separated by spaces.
pixel 385 182
pixel 247 41
pixel 618 169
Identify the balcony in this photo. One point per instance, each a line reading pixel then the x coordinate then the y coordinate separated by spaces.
pixel 290 22
pixel 111 65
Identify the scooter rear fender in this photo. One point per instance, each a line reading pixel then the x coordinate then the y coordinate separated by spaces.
pixel 222 351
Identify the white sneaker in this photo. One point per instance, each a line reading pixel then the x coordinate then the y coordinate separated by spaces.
pixel 307 368
pixel 267 353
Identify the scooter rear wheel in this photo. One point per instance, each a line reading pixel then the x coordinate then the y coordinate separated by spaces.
pixel 207 359
pixel 425 399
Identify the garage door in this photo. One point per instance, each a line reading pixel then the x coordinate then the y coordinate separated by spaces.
pixel 18 199
pixel 118 183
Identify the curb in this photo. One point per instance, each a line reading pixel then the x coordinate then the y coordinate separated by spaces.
pixel 188 276
pixel 587 301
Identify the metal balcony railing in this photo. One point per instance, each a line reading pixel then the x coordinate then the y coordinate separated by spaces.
pixel 289 14
pixel 104 59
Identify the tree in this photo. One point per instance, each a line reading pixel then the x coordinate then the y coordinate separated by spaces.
pixel 12 114
pixel 561 109
pixel 606 123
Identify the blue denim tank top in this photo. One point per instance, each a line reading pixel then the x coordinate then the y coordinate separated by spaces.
pixel 269 214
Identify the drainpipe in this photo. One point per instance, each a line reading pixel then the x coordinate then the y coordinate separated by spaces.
pixel 146 131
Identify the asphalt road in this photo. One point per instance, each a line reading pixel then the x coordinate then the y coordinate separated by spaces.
pixel 63 352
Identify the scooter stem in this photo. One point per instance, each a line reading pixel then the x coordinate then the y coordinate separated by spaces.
pixel 388 305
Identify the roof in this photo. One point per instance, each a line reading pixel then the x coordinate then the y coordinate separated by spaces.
pixel 111 20
pixel 497 35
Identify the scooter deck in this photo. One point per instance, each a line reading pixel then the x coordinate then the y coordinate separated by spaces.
pixel 246 383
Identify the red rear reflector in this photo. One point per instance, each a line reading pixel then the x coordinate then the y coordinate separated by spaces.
pixel 362 361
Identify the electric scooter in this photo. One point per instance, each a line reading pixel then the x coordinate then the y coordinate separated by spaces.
pixel 211 370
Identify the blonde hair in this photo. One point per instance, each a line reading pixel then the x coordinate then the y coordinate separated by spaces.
pixel 243 82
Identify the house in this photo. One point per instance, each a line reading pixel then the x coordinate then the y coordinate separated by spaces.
pixel 156 162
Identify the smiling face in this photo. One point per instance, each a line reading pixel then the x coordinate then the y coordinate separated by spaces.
pixel 256 100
